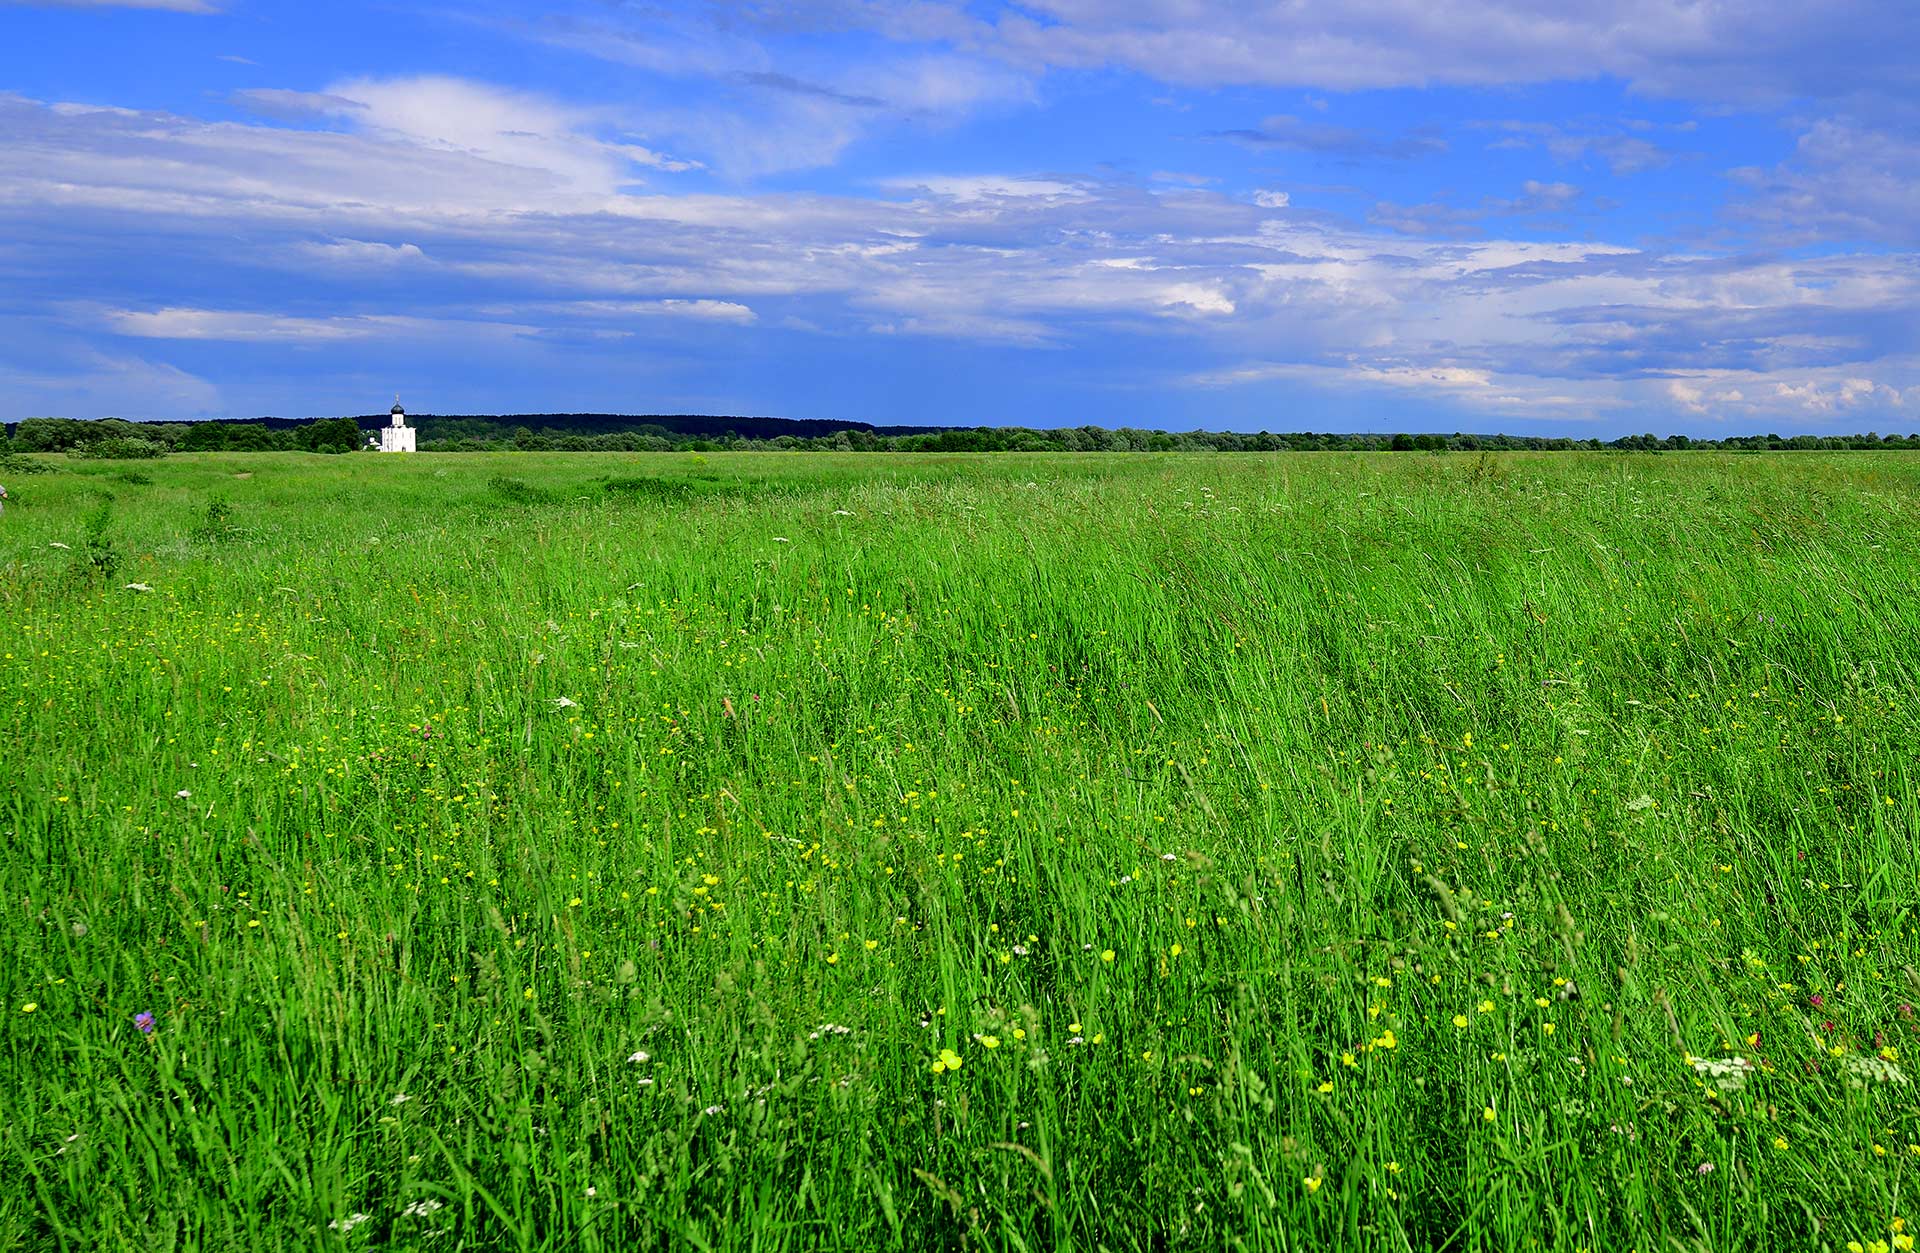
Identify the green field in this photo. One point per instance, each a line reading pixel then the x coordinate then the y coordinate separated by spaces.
pixel 805 851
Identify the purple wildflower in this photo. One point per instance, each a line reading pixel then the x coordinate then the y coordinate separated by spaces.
pixel 144 1021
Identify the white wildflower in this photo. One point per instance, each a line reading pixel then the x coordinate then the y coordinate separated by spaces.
pixel 711 1110
pixel 344 1225
pixel 566 702
pixel 1728 1074
pixel 399 1098
pixel 1864 1068
pixel 421 1209
pixel 641 1058
pixel 58 544
pixel 138 587
pixel 183 795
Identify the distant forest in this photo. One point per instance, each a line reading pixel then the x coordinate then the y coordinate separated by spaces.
pixel 604 432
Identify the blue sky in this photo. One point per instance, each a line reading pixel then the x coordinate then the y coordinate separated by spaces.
pixel 1619 216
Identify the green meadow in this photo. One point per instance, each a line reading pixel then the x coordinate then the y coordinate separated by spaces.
pixel 782 852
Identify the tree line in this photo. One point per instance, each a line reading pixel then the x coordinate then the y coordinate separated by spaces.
pixel 117 438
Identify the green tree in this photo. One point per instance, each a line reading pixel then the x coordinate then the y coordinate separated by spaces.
pixel 330 435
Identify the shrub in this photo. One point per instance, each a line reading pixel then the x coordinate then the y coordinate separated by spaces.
pixel 518 492
pixel 97 558
pixel 13 463
pixel 119 448
pixel 218 526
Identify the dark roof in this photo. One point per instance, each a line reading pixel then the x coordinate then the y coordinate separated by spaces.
pixel 396 408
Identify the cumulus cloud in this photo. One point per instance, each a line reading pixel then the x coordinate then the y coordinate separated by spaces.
pixel 771 104
pixel 1609 143
pixel 700 310
pixel 986 187
pixel 1760 51
pixel 1437 218
pixel 1845 179
pixel 173 6
pixel 251 327
pixel 1288 132
pixel 92 383
pixel 519 215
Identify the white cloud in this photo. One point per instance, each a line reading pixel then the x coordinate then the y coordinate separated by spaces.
pixel 250 327
pixel 172 6
pixel 1759 50
pixel 1845 179
pixel 700 310
pixel 360 254
pixel 970 187
pixel 99 384
pixel 512 227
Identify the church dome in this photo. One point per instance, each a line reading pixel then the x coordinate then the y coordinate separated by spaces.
pixel 397 409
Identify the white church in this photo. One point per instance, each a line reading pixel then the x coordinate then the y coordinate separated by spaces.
pixel 399 437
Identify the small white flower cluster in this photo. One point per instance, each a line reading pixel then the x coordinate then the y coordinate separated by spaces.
pixel 1866 1069
pixel 1728 1075
pixel 344 1225
pixel 641 1058
pixel 830 1029
pixel 422 1209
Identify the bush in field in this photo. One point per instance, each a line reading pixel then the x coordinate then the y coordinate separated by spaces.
pixel 14 464
pixel 217 525
pixel 518 491
pixel 97 558
pixel 119 448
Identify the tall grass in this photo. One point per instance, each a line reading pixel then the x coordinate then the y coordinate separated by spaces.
pixel 782 852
